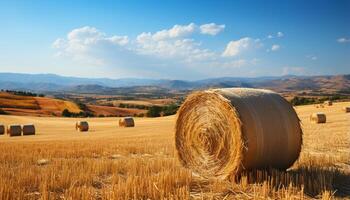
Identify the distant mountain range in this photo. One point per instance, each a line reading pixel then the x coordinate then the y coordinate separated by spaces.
pixel 56 83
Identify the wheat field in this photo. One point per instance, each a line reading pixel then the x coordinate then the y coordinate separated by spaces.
pixel 110 162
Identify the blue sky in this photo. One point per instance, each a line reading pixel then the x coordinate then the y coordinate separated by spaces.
pixel 175 39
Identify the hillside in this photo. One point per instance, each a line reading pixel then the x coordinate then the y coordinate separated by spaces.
pixel 37 106
pixel 59 84
pixel 43 106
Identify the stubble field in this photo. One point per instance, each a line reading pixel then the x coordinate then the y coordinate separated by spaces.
pixel 110 162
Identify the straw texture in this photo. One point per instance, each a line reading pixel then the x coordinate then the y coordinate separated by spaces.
pixel 222 132
pixel 28 129
pixel 318 117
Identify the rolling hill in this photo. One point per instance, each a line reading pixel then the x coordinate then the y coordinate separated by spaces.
pixel 56 83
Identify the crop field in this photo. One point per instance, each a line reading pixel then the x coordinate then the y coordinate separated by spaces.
pixel 110 162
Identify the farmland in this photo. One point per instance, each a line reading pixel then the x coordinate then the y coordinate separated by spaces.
pixel 110 162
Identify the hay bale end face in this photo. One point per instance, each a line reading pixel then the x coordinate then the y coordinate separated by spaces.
pixel 346 109
pixel 223 132
pixel 28 129
pixel 126 122
pixel 82 126
pixel 318 118
pixel 14 130
pixel 2 129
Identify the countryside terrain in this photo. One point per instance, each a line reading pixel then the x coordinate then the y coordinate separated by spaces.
pixel 110 162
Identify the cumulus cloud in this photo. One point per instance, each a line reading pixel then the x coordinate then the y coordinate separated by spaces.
pixel 175 32
pixel 343 40
pixel 236 47
pixel 85 43
pixel 182 48
pixel 211 29
pixel 164 53
pixel 275 47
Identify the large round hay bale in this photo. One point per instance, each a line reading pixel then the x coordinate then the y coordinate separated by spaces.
pixel 126 122
pixel 82 126
pixel 223 132
pixel 318 117
pixel 14 130
pixel 328 103
pixel 28 129
pixel 2 129
pixel 346 109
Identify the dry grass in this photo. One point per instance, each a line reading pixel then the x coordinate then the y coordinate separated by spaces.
pixel 140 163
pixel 37 106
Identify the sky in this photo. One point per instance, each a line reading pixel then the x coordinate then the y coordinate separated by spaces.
pixel 187 40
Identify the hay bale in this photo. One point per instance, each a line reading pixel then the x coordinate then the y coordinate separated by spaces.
pixel 318 118
pixel 346 109
pixel 14 130
pixel 126 122
pixel 82 126
pixel 2 129
pixel 222 132
pixel 42 162
pixel 328 103
pixel 28 129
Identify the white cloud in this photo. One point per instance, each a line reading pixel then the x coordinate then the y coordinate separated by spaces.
pixel 164 53
pixel 293 71
pixel 280 34
pixel 183 48
pixel 343 40
pixel 211 29
pixel 175 32
pixel 236 47
pixel 269 36
pixel 275 47
pixel 85 43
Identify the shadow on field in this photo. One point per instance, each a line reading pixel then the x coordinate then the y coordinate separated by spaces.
pixel 313 181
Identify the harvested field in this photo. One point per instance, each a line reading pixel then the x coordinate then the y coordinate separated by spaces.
pixel 114 111
pixel 140 163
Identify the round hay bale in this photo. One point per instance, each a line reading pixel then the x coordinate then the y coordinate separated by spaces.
pixel 28 129
pixel 14 130
pixel 318 118
pixel 82 126
pixel 346 109
pixel 2 129
pixel 126 122
pixel 223 132
pixel 328 103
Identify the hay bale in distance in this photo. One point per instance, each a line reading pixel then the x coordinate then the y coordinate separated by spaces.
pixel 2 129
pixel 28 129
pixel 318 117
pixel 14 130
pixel 346 109
pixel 82 126
pixel 222 132
pixel 42 162
pixel 126 122
pixel 328 103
